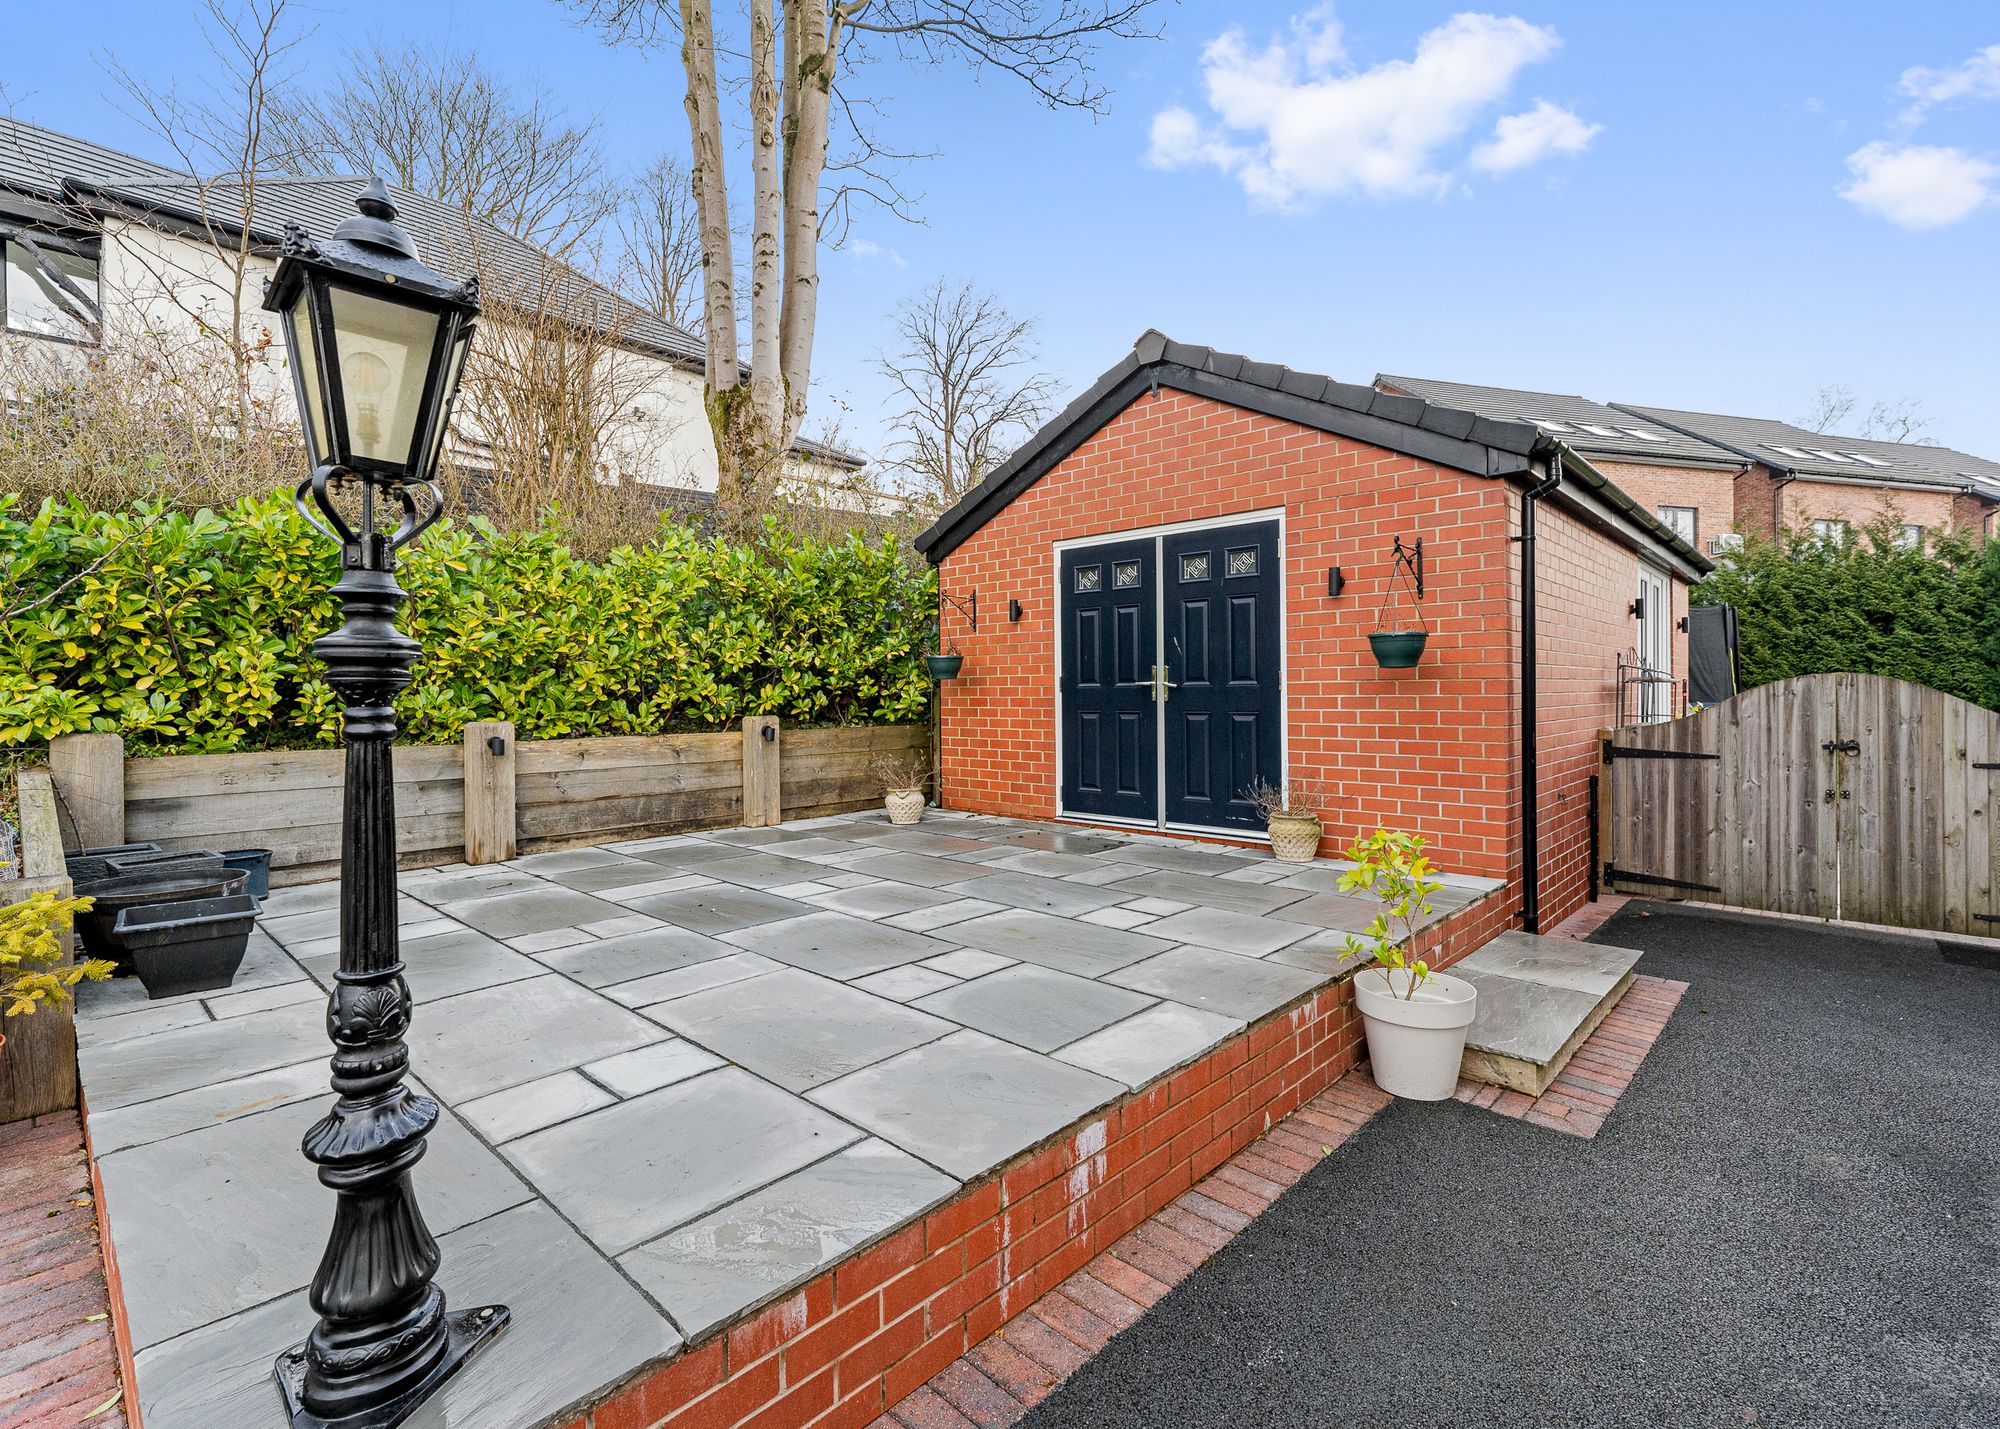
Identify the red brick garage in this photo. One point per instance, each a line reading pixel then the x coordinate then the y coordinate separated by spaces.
pixel 1185 513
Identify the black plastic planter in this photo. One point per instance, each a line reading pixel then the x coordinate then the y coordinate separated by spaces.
pixel 97 928
pixel 191 861
pixel 943 667
pixel 193 946
pixel 1398 649
pixel 87 865
pixel 254 861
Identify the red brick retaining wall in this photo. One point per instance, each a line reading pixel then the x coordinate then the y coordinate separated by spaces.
pixel 874 1329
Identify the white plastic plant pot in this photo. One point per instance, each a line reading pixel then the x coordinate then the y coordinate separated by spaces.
pixel 905 806
pixel 1414 1044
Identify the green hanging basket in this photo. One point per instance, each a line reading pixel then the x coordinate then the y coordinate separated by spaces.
pixel 1398 649
pixel 943 667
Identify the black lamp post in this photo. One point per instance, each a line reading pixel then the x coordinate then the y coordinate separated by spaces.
pixel 378 342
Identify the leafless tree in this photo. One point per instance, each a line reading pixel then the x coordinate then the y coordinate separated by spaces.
pixel 437 121
pixel 799 54
pixel 660 237
pixel 1831 405
pixel 964 379
pixel 1902 421
pixel 221 139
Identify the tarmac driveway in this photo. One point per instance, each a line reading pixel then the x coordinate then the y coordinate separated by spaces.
pixel 1790 1219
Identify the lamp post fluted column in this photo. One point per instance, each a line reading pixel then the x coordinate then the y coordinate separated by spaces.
pixel 377 342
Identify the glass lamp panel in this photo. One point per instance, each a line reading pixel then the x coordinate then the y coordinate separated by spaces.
pixel 305 359
pixel 446 396
pixel 385 360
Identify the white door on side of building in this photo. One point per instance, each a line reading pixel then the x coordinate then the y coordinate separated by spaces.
pixel 1655 651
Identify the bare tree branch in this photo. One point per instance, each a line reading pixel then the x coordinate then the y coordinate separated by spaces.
pixel 659 234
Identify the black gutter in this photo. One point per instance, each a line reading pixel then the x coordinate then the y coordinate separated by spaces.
pixel 1531 840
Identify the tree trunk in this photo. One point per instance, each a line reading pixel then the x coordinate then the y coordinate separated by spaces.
pixel 809 88
pixel 711 197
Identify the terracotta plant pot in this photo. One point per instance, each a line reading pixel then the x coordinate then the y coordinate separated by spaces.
pixel 1398 649
pixel 905 806
pixel 1294 837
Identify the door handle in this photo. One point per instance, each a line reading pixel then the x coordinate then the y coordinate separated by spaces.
pixel 1161 684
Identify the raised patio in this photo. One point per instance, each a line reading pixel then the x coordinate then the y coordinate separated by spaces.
pixel 686 1076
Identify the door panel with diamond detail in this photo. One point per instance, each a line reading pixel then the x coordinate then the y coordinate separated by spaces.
pixel 1110 728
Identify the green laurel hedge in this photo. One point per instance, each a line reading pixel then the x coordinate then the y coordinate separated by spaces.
pixel 195 633
pixel 1807 607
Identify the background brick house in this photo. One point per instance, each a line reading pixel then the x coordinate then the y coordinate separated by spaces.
pixel 1157 626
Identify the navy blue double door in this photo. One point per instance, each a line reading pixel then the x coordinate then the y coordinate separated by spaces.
pixel 1169 689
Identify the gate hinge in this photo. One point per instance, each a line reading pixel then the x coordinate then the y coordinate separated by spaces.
pixel 1842 746
pixel 1978 764
pixel 1614 874
pixel 1632 751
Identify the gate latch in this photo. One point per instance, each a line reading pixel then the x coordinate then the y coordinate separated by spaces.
pixel 1844 793
pixel 1842 746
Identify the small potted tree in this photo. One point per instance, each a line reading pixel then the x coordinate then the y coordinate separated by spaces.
pixel 1290 811
pixel 32 947
pixel 1415 1019
pixel 905 782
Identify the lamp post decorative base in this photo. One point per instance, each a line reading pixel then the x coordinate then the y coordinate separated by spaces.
pixel 467 1332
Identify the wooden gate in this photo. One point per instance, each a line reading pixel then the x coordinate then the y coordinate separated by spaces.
pixel 1838 796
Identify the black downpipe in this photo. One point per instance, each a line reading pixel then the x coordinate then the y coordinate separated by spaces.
pixel 1531 841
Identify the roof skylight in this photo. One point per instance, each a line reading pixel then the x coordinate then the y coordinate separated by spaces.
pixel 1641 434
pixel 1548 424
pixel 1786 451
pixel 1830 456
pixel 1867 460
pixel 1595 430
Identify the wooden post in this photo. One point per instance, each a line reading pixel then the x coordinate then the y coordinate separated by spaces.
pixel 489 791
pixel 38 1064
pixel 763 794
pixel 89 772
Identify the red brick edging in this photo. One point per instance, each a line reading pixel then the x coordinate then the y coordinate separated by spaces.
pixel 59 1362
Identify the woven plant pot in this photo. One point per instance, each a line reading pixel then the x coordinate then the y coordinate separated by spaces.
pixel 1295 837
pixel 905 806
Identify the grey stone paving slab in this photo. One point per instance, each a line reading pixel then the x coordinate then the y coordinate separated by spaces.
pixel 673 882
pixel 1594 968
pixel 967 962
pixel 1059 841
pixel 1036 1007
pixel 1202 892
pixel 141 1068
pixel 921 841
pixel 1218 982
pixel 307 897
pixel 712 1270
pixel 836 945
pixel 762 870
pixel 1149 1044
pixel 926 920
pixel 1117 918
pixel 720 908
pixel 1242 933
pixel 447 964
pixel 634 955
pixel 1059 943
pixel 536 910
pixel 549 941
pixel 693 857
pixel 883 900
pixel 818 848
pixel 636 1170
pixel 1528 1020
pixel 534 1105
pixel 1046 895
pixel 603 877
pixel 441 891
pixel 968 1102
pixel 569 860
pixel 217 1220
pixel 99 1025
pixel 695 977
pixel 1046 865
pixel 265 964
pixel 647 1069
pixel 1320 877
pixel 916 868
pixel 906 983
pixel 796 1029
pixel 1334 910
pixel 1172 857
pixel 191 1110
pixel 577 1326
pixel 262 999
pixel 1324 952
pixel 479 1042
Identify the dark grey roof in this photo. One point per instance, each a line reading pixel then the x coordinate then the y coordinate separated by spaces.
pixel 1571 418
pixel 1784 447
pixel 1447 436
pixel 35 161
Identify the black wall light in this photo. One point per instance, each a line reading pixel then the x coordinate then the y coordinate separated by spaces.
pixel 1335 581
pixel 1013 610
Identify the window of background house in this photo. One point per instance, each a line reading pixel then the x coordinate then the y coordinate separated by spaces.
pixel 1681 520
pixel 1910 538
pixel 1833 533
pixel 30 299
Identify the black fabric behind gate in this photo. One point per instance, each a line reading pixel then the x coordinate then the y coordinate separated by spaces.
pixel 1712 667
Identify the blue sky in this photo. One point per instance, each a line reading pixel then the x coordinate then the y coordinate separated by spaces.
pixel 1709 206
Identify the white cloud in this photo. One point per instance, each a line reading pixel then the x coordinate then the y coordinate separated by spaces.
pixel 1294 120
pixel 1917 186
pixel 1523 139
pixel 864 249
pixel 1977 78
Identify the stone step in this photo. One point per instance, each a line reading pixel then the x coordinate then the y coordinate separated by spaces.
pixel 1538 999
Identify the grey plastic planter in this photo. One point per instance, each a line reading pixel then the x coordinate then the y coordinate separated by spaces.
pixel 87 865
pixel 191 946
pixel 254 861
pixel 97 929
pixel 204 861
